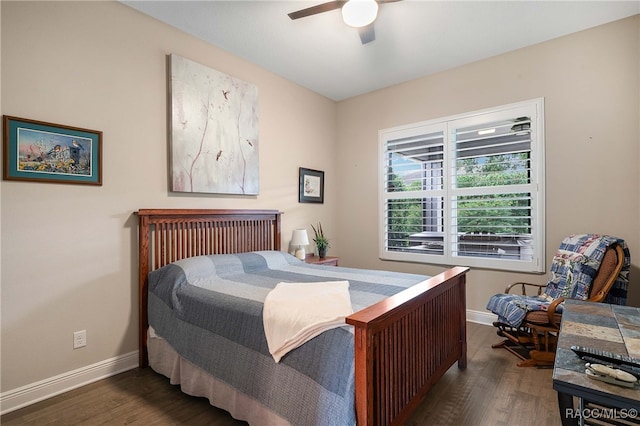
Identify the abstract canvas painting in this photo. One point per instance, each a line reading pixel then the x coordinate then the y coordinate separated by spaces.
pixel 214 131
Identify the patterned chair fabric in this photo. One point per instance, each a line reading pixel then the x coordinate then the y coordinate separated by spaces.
pixel 573 269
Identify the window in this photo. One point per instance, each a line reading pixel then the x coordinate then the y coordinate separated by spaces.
pixel 466 190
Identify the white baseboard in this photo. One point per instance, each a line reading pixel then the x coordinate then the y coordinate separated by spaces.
pixel 35 392
pixel 481 317
pixel 30 394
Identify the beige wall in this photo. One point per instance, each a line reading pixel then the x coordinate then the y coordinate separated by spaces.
pixel 590 82
pixel 69 252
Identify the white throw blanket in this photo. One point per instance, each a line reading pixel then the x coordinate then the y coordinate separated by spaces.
pixel 297 312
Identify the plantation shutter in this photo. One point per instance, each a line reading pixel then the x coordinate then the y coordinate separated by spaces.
pixel 491 187
pixel 414 177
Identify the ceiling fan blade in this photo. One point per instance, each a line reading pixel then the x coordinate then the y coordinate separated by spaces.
pixel 367 34
pixel 324 7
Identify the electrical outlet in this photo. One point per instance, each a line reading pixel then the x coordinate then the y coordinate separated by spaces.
pixel 79 339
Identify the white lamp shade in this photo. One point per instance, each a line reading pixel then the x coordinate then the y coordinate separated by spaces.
pixel 359 13
pixel 299 240
pixel 300 237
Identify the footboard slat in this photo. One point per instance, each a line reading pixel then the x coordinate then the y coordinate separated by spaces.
pixel 404 344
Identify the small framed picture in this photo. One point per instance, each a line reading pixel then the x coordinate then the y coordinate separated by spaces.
pixel 47 152
pixel 311 186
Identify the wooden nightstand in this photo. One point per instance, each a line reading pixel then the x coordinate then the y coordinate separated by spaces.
pixel 332 261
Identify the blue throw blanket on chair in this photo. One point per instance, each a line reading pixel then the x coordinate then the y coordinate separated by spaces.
pixel 573 268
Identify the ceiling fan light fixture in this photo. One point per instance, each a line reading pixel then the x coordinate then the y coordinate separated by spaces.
pixel 359 13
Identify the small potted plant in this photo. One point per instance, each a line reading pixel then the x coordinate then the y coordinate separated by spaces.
pixel 321 241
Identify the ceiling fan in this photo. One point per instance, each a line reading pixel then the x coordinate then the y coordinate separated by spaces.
pixel 356 13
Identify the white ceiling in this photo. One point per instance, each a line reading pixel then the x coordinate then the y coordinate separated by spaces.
pixel 413 38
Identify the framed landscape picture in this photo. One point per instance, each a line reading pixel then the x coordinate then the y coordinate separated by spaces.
pixel 311 186
pixel 47 152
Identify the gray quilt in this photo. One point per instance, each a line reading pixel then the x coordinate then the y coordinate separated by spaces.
pixel 209 308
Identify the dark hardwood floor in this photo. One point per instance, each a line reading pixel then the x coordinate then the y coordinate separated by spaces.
pixel 491 391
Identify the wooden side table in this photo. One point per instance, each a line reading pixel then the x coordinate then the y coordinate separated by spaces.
pixel 328 260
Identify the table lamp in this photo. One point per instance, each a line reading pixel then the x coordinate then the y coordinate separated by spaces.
pixel 299 240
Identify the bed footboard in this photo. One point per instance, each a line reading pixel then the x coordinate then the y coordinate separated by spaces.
pixel 405 343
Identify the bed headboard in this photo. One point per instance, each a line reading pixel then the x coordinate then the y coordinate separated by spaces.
pixel 168 235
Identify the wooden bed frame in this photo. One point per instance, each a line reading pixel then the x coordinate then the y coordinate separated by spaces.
pixel 403 344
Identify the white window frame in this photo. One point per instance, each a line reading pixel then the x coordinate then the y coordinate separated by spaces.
pixel 533 108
